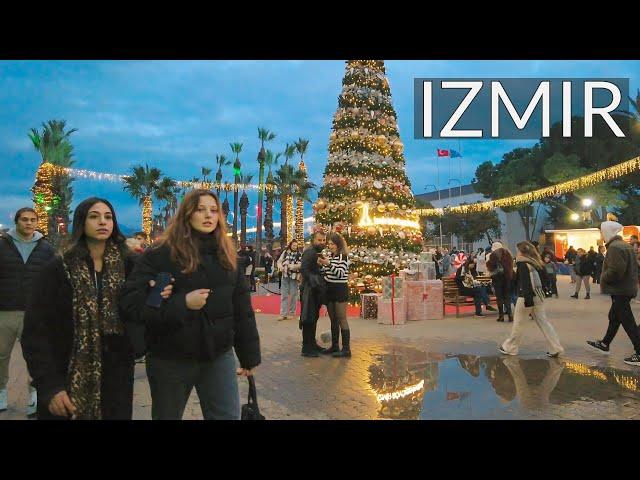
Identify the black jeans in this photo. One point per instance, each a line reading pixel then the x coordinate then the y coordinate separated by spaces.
pixel 502 288
pixel 620 313
pixel 552 284
pixel 116 390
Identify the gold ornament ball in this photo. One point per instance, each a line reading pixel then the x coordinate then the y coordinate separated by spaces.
pixel 381 208
pixel 372 230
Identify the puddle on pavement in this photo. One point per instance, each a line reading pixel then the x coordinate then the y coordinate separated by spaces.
pixel 412 384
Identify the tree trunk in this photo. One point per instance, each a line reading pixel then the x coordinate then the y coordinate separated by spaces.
pixel 235 209
pixel 259 214
pixel 284 241
pixel 300 220
pixel 147 215
pixel 244 206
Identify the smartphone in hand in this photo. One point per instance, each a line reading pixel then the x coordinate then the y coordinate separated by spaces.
pixel 162 280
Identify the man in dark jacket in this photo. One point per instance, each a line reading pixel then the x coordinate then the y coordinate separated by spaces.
pixel 620 280
pixel 311 298
pixel 23 253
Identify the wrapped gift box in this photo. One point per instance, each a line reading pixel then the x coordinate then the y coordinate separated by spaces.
pixel 395 288
pixel 424 300
pixel 426 257
pixel 428 269
pixel 411 275
pixel 392 311
pixel 369 306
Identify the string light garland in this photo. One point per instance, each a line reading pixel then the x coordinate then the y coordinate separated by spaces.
pixel 584 370
pixel 606 174
pixel 113 177
pixel 300 208
pixel 291 234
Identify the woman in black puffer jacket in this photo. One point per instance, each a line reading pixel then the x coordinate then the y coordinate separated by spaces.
pixel 191 335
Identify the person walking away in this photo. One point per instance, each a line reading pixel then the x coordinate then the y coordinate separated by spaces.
pixel 583 269
pixel 530 278
pixel 598 263
pixel 481 259
pixel 250 266
pixel 23 254
pixel 313 289
pixel 75 343
pixel 551 268
pixel 500 266
pixel 470 287
pixel 620 280
pixel 289 265
pixel 191 337
pixel 569 259
pixel 335 270
pixel 446 263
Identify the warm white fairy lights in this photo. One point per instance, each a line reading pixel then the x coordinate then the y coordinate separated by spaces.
pixel 405 392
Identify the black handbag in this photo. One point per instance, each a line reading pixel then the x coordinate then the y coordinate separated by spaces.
pixel 250 410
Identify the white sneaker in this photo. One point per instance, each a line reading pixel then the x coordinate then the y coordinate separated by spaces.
pixel 32 407
pixel 3 399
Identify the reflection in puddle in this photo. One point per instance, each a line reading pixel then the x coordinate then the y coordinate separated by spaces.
pixel 412 384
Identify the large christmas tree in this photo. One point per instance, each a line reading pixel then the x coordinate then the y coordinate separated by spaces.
pixel 366 194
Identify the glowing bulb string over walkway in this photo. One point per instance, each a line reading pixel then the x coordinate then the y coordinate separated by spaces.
pixel 606 174
pixel 610 173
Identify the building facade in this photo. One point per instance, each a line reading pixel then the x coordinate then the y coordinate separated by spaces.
pixel 513 230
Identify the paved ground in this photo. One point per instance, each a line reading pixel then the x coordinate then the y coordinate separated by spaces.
pixel 431 369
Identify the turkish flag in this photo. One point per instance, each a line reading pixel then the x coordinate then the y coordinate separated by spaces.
pixel 443 153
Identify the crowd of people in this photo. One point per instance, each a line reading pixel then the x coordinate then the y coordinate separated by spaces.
pixel 84 316
pixel 183 303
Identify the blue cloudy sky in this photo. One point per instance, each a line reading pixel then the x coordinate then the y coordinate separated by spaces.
pixel 176 115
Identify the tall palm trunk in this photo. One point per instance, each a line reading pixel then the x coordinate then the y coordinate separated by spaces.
pixel 147 215
pixel 244 207
pixel 284 234
pixel 261 155
pixel 235 207
pixel 300 220
pixel 291 228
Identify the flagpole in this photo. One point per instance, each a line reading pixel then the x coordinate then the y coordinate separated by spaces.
pixel 460 165
pixel 438 182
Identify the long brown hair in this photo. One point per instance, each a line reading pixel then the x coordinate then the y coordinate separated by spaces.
pixel 340 242
pixel 527 249
pixel 179 236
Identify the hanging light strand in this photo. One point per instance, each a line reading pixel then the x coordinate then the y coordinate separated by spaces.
pixel 606 174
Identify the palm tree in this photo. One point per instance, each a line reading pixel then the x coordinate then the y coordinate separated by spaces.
pixel 225 204
pixel 168 192
pixel 289 152
pixel 283 182
pixel 244 207
pixel 270 160
pixel 236 148
pixel 52 197
pixel 143 184
pixel 221 161
pixel 303 187
pixel 265 136
pixel 205 174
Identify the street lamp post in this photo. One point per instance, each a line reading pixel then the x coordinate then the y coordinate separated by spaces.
pixel 587 205
pixel 439 206
pixel 459 183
